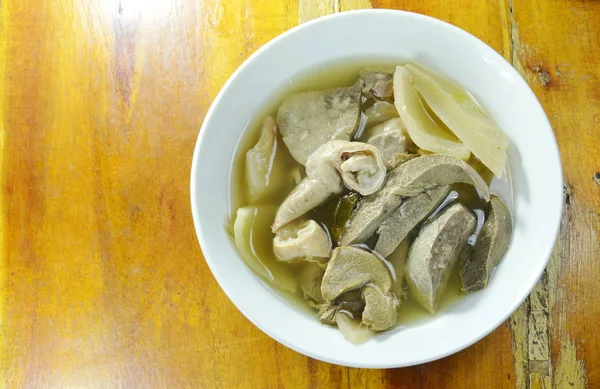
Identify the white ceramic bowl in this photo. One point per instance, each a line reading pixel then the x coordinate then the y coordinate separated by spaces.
pixel 533 155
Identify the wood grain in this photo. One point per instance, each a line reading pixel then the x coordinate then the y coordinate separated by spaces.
pixel 560 63
pixel 102 281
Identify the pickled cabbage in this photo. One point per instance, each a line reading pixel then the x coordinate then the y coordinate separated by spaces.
pixel 260 161
pixel 421 128
pixel 456 108
pixel 352 329
pixel 252 224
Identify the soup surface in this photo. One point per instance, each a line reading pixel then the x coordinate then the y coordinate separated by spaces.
pixel 431 259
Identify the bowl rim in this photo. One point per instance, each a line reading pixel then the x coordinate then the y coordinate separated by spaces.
pixel 298 347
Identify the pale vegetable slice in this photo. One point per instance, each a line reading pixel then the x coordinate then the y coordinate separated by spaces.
pixel 253 224
pixel 352 330
pixel 260 161
pixel 444 83
pixel 421 128
pixel 455 107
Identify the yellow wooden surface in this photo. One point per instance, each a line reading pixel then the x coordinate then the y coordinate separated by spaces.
pixel 102 281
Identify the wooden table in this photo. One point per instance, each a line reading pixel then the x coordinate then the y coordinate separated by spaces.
pixel 103 284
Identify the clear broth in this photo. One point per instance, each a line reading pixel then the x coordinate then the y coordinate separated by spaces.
pixel 333 75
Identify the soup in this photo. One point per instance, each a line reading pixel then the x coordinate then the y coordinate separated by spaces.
pixel 363 193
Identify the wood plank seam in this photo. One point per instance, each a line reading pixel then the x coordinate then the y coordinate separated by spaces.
pixel 529 324
pixel 567 370
pixel 4 19
pixel 533 322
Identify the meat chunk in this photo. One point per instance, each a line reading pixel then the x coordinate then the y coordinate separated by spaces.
pixel 478 262
pixel 433 170
pixel 307 195
pixel 408 180
pixel 308 120
pixel 434 252
pixel 380 308
pixel 357 165
pixel 400 158
pixel 352 269
pixel 401 222
pixel 309 280
pixel 398 261
pixel 389 138
pixel 300 240
pixel 380 112
pixel 377 83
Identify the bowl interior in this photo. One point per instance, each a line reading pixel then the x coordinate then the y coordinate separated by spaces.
pixel 533 156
